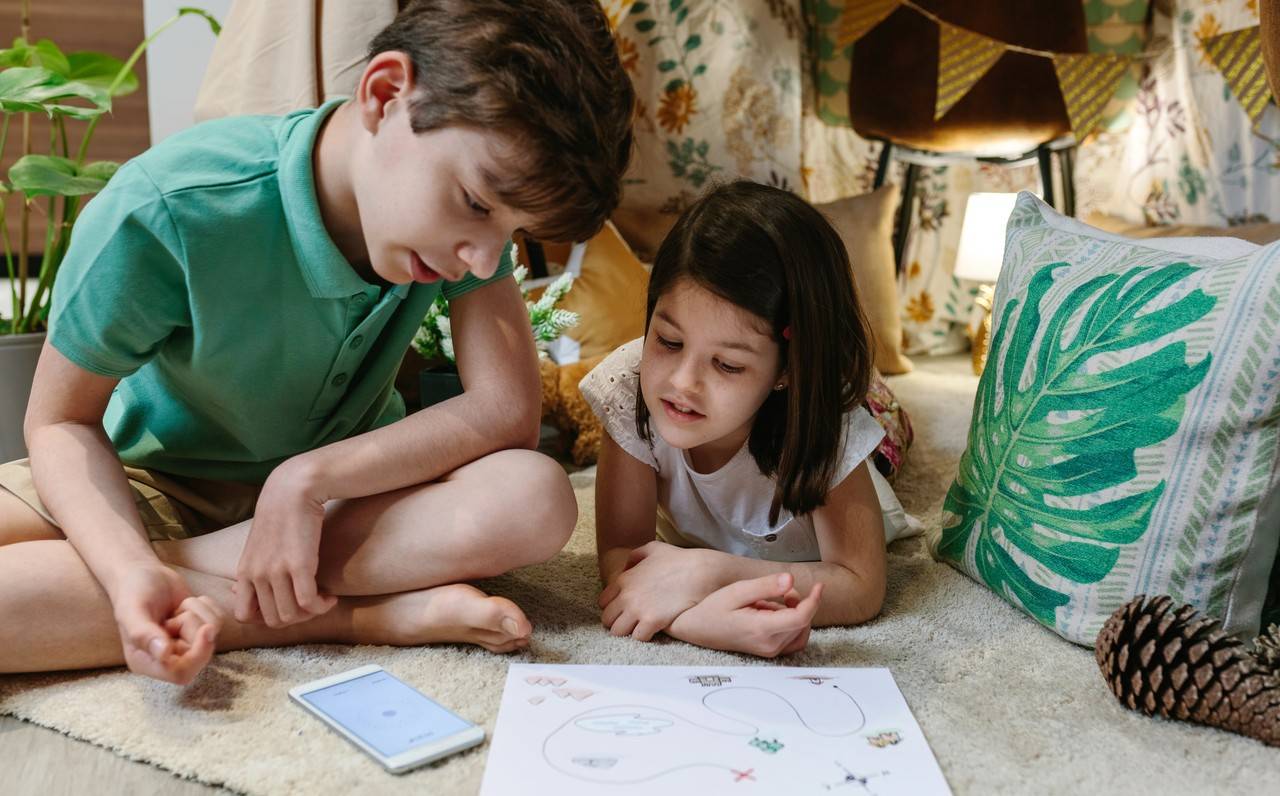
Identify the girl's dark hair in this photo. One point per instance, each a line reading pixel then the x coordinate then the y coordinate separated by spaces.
pixel 775 256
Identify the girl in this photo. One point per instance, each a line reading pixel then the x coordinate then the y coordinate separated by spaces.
pixel 736 423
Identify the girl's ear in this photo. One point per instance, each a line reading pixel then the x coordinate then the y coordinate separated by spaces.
pixel 782 383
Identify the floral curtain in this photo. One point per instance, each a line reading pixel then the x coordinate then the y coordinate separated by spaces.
pixel 728 88
pixel 1190 156
pixel 719 88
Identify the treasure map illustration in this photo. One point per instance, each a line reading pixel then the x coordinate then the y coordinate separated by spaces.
pixel 674 730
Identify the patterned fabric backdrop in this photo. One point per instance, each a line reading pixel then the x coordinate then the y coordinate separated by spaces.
pixel 728 88
pixel 1190 156
pixel 719 85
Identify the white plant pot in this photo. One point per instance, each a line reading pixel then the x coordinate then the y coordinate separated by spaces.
pixel 18 355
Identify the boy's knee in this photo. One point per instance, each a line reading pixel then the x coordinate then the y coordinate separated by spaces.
pixel 542 500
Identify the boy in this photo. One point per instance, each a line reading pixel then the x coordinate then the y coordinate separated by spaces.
pixel 228 323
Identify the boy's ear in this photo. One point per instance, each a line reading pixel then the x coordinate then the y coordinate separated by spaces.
pixel 387 79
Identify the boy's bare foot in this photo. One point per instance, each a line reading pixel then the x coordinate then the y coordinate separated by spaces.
pixel 455 612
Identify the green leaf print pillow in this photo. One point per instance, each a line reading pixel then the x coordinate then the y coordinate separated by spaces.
pixel 1124 435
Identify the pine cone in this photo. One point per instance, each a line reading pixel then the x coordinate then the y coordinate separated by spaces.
pixel 1267 648
pixel 1179 665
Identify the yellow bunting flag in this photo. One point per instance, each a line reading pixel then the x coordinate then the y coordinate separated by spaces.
pixel 1088 82
pixel 963 58
pixel 1238 55
pixel 860 16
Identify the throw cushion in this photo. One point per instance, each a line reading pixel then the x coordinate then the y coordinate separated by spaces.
pixel 893 418
pixel 1125 432
pixel 643 229
pixel 608 294
pixel 865 224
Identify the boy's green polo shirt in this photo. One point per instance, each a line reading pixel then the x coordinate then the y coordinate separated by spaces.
pixel 204 277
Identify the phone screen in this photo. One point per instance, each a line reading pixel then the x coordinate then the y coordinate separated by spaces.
pixel 385 713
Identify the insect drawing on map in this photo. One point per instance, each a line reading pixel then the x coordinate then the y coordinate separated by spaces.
pixel 710 680
pixel 851 778
pixel 885 739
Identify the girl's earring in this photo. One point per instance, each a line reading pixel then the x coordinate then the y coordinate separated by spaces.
pixel 779 386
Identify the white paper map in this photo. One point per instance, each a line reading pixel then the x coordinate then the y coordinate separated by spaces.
pixel 706 730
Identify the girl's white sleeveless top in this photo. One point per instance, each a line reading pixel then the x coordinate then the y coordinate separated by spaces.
pixel 728 509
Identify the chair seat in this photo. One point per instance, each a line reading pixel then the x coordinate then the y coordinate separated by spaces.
pixel 1012 109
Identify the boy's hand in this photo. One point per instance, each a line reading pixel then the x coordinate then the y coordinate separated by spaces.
pixel 659 582
pixel 747 616
pixel 164 631
pixel 276 575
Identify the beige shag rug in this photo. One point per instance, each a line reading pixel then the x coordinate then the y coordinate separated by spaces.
pixel 1007 706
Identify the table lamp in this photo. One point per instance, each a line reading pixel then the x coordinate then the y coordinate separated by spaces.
pixel 980 255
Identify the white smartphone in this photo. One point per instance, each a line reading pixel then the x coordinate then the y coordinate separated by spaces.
pixel 392 722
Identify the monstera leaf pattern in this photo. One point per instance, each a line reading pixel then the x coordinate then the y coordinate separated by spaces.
pixel 1049 475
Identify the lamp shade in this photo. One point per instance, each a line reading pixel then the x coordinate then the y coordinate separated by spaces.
pixel 981 249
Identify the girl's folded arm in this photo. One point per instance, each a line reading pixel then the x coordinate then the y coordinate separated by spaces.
pixel 850 528
pixel 850 533
pixel 626 507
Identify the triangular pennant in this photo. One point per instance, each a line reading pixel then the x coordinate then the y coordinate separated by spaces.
pixel 1238 55
pixel 860 16
pixel 1088 83
pixel 963 58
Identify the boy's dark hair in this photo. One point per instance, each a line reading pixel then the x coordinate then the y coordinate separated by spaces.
pixel 544 72
pixel 775 256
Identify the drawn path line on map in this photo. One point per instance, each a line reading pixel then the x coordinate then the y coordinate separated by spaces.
pixel 632 721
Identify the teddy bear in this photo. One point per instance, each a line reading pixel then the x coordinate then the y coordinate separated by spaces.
pixel 564 408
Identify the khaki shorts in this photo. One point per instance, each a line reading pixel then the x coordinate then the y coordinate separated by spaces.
pixel 172 507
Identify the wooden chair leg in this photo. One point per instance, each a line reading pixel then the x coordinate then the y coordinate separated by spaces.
pixel 1046 174
pixel 1067 163
pixel 882 167
pixel 906 211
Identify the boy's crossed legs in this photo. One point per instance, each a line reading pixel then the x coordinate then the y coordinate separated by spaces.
pixel 396 562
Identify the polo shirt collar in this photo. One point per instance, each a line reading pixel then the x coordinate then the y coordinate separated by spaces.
pixel 326 271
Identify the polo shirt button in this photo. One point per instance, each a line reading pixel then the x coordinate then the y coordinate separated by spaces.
pixel 339 380
pixel 357 341
pixel 773 537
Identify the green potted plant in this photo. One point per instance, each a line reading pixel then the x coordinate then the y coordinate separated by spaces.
pixel 74 91
pixel 434 340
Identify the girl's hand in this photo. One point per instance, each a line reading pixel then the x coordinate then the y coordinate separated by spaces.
pixel 276 575
pixel 165 633
pixel 659 582
pixel 760 616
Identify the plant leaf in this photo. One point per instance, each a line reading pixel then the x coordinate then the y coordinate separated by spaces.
pixel 50 57
pixel 20 54
pixel 200 12
pixel 99 70
pixel 1049 430
pixel 49 175
pixel 100 169
pixel 34 88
